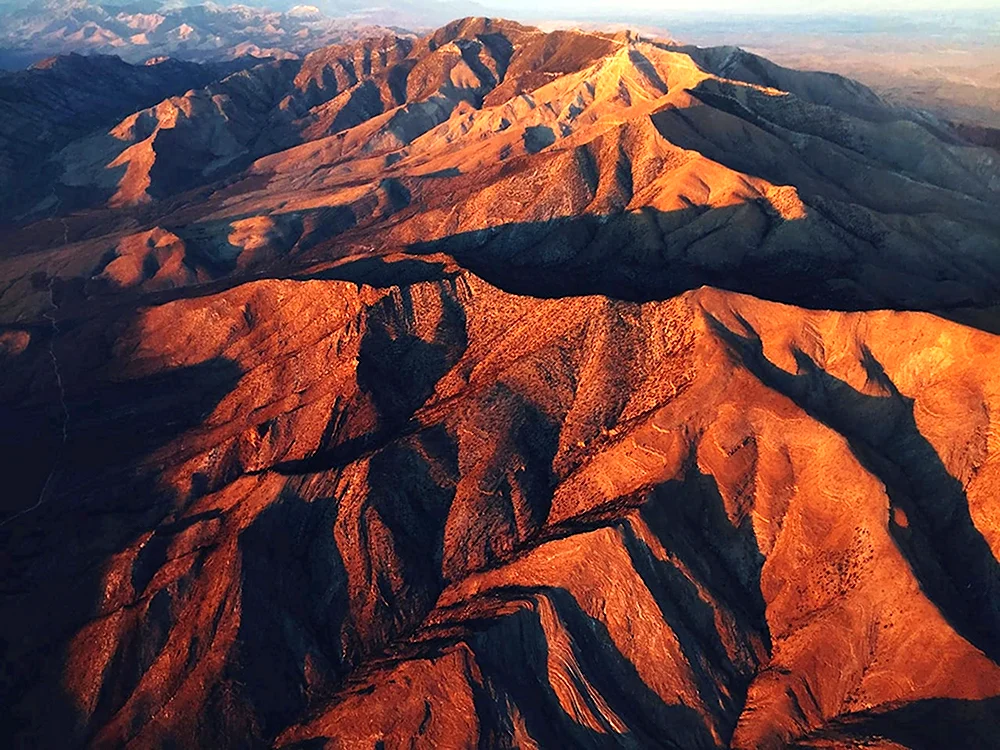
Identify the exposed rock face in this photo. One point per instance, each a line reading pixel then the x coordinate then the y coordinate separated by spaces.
pixel 472 391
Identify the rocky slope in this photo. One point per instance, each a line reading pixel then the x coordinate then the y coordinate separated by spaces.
pixel 505 389
pixel 63 98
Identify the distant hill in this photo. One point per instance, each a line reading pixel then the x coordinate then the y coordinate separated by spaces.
pixel 140 31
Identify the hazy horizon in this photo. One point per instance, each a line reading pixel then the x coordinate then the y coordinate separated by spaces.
pixel 775 7
pixel 590 8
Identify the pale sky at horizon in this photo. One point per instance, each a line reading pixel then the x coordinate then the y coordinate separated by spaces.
pixel 657 7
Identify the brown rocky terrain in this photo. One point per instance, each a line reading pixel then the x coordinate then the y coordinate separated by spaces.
pixel 503 389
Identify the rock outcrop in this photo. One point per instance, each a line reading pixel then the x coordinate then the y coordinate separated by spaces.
pixel 505 389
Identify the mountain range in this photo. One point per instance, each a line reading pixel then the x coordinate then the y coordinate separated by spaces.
pixel 148 29
pixel 495 388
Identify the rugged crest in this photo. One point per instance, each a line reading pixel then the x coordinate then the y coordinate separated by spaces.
pixel 449 392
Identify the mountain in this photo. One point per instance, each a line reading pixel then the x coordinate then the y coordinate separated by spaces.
pixel 496 388
pixel 139 31
pixel 948 64
pixel 61 99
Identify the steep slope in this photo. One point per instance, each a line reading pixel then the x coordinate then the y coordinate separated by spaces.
pixel 272 107
pixel 751 187
pixel 63 98
pixel 504 389
pixel 712 520
pixel 182 141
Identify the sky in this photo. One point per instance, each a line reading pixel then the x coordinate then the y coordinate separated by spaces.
pixel 734 7
pixel 624 10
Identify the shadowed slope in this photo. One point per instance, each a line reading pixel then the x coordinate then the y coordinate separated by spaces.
pixel 955 566
pixel 525 452
pixel 421 428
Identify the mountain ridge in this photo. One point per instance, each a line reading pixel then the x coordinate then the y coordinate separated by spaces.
pixel 503 389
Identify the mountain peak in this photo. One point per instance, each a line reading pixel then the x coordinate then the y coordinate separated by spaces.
pixel 494 388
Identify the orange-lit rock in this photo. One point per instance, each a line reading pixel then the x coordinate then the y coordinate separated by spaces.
pixel 474 391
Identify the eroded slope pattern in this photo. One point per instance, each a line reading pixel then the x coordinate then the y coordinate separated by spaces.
pixel 477 391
